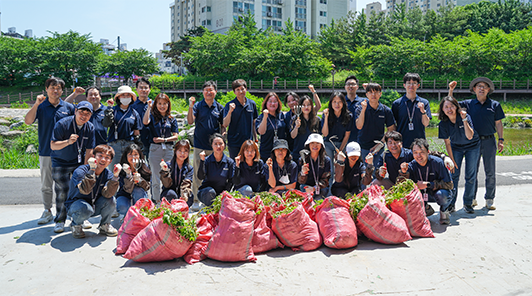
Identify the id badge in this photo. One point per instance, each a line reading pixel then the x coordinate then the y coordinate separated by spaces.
pixel 275 138
pixel 116 135
pixel 316 190
pixel 79 158
pixel 163 146
pixel 425 197
pixel 410 126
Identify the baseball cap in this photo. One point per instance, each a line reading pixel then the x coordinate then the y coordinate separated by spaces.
pixel 352 149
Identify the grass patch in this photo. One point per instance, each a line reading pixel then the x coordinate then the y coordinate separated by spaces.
pixel 14 156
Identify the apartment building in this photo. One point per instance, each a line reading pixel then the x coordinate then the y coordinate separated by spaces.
pixel 309 16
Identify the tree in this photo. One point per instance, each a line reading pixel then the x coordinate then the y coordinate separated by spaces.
pixel 183 45
pixel 126 63
pixel 19 60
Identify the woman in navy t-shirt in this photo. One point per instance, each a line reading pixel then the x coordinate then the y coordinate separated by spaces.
pixel 250 175
pixel 302 127
pixel 270 124
pixel 177 174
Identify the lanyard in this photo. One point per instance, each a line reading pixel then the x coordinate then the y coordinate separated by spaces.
pixel 117 124
pixel 275 127
pixel 426 176
pixel 178 181
pixel 98 187
pixel 163 127
pixel 80 146
pixel 411 117
pixel 314 173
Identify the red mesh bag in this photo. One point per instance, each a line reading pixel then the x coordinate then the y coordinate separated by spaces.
pixel 297 230
pixel 133 223
pixel 263 237
pixel 413 213
pixel 335 223
pixel 206 225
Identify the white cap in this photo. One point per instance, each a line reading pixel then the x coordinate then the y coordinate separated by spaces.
pixel 317 138
pixel 352 149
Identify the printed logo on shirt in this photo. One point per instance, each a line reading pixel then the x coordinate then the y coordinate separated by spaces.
pixel 63 112
pixel 432 174
pixel 381 116
pixel 132 116
pixel 490 109
pixel 85 137
pixel 225 169
pixel 215 113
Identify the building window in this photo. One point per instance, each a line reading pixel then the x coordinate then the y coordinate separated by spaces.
pixel 208 9
pixel 301 2
pixel 301 13
pixel 208 22
pixel 324 13
pixel 322 26
pixel 323 1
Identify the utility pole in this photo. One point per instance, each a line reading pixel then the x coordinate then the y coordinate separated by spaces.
pixel 118 43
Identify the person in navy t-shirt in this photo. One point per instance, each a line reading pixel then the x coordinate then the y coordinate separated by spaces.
pixel 94 96
pixel 239 117
pixel 176 175
pixel 391 160
pixel 304 125
pixel 282 170
pixel 270 124
pixel 143 86
pixel 48 110
pixel 250 174
pixel 352 100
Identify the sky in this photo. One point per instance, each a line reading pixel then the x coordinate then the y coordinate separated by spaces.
pixel 139 23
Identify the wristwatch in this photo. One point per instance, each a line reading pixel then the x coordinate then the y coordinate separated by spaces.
pixel 501 139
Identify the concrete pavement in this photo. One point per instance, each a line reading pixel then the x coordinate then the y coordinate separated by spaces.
pixel 487 253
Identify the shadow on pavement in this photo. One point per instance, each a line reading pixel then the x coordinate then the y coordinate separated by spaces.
pixel 152 268
pixel 22 226
pixel 67 243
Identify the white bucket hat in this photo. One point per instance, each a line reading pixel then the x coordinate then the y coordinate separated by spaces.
pixel 317 138
pixel 124 89
pixel 352 149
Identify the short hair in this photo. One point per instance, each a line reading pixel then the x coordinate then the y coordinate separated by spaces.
pixel 293 94
pixel 265 102
pixel 52 81
pixel 142 79
pixel 287 158
pixel 143 170
pixel 178 145
pixel 105 149
pixel 420 142
pixel 412 76
pixel 247 145
pixel 209 84
pixel 351 77
pixel 88 90
pixel 217 135
pixel 441 115
pixel 394 135
pixel 238 83
pixel 372 86
pixel 158 116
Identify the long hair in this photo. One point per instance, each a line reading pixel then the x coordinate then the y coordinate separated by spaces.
pixel 321 155
pixel 156 114
pixel 313 121
pixel 143 170
pixel 265 102
pixel 344 115
pixel 441 115
pixel 249 144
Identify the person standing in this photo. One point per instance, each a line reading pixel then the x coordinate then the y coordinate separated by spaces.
pixel 239 118
pixel 207 115
pixel 94 96
pixel 352 100
pixel 48 110
pixel 411 112
pixel 143 86
pixel 164 131
pixel 304 125
pixel 270 124
pixel 486 115
pixel 71 143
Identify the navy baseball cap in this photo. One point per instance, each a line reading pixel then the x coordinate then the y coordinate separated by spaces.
pixel 84 105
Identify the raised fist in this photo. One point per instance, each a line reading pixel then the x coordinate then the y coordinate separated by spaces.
pixel 202 155
pixel 164 166
pixel 191 101
pixel 305 169
pixel 341 156
pixel 237 161
pixel 117 169
pixel 364 104
pixel 404 167
pixel 232 107
pixel 448 163
pixel 369 158
pixel 421 107
pixel 383 170
pixel 110 102
pixel 311 88
pixel 73 138
pixel 136 177
pixel 326 112
pixel 126 169
pixel 269 162
pixel 40 99
pixel 452 84
pixel 92 163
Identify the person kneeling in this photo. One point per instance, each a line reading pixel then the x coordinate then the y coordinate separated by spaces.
pixel 92 188
pixel 350 177
pixel 177 174
pixel 316 162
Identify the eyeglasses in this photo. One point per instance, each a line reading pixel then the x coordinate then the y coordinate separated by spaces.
pixel 99 155
pixel 482 86
pixel 351 84
pixel 411 83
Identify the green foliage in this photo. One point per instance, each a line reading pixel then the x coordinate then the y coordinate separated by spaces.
pixel 18 105
pixel 399 191
pixel 15 156
pixel 357 203
pixel 187 228
pixel 151 214
pixel 287 210
pixel 389 96
pixel 126 63
pixel 183 45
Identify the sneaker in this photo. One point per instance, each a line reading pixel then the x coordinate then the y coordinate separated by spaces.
pixel 451 209
pixel 469 209
pixel 445 218
pixel 77 231
pixel 489 204
pixel 115 215
pixel 429 211
pixel 108 229
pixel 86 224
pixel 59 227
pixel 474 203
pixel 45 217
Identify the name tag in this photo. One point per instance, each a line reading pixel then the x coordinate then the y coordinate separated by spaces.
pixel 225 169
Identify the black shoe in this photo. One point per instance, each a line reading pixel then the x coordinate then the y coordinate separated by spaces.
pixel 429 211
pixel 451 209
pixel 469 209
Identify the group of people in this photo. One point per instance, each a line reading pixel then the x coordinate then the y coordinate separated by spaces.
pixel 103 159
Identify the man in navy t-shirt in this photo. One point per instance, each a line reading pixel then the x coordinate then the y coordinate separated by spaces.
pixel 48 110
pixel 352 99
pixel 411 112
pixel 140 105
pixel 239 117
pixel 94 96
pixel 431 177
pixel 392 159
pixel 72 143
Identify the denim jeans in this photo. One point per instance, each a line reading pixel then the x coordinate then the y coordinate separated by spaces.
pixel 488 150
pixel 330 151
pixel 442 197
pixel 81 210
pixel 246 190
pixel 170 195
pixel 471 156
pixel 118 146
pixel 207 195
pixel 124 202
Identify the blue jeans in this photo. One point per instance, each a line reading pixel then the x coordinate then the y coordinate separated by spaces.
pixel 442 197
pixel 170 195
pixel 471 168
pixel 488 150
pixel 118 146
pixel 246 190
pixel 124 202
pixel 330 151
pixel 207 195
pixel 81 210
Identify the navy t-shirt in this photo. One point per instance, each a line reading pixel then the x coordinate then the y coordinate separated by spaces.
pixel 287 121
pixel 406 111
pixel 127 122
pixel 375 122
pixel 393 165
pixel 338 128
pixel 162 128
pixel 353 175
pixel 484 115
pixel 300 139
pixel 316 168
pixel 289 169
pixel 77 177
pixel 254 176
pixel 436 171
pixel 68 156
pixel 208 122
pixel 141 108
pixel 218 175
pixel 179 175
pixel 456 133
pixel 266 140
pixel 99 130
pixel 351 107
pixel 241 126
pixel 48 115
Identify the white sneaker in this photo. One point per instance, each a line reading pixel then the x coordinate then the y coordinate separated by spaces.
pixel 197 206
pixel 108 229
pixel 474 203
pixel 86 224
pixel 45 217
pixel 59 227
pixel 77 231
pixel 489 204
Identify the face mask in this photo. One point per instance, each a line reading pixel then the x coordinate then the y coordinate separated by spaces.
pixel 284 179
pixel 125 101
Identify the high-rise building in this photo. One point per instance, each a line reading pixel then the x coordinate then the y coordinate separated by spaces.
pixel 373 7
pixel 309 16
